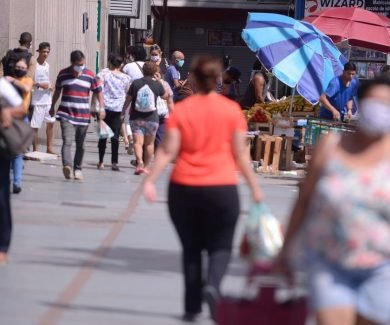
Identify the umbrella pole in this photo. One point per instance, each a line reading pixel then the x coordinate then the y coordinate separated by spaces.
pixel 291 102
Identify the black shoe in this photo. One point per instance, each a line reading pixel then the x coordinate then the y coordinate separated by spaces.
pixel 190 317
pixel 211 296
pixel 115 167
pixel 133 162
pixel 16 189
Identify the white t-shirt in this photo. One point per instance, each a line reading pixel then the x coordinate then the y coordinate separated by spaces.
pixel 42 75
pixel 8 94
pixel 133 70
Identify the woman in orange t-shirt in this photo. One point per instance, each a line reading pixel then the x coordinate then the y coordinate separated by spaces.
pixel 206 134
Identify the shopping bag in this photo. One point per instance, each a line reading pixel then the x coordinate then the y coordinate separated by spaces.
pixel 263 238
pixel 15 139
pixel 103 131
pixel 269 307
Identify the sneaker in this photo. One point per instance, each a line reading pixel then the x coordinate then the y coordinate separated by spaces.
pixel 67 170
pixel 211 297
pixel 133 162
pixel 16 189
pixel 115 167
pixel 78 175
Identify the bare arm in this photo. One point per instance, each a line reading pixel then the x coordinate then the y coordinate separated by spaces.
pixel 126 106
pixel 259 84
pixel 100 99
pixel 349 108
pixel 54 100
pixel 165 154
pixel 177 83
pixel 242 160
pixel 25 87
pixel 326 103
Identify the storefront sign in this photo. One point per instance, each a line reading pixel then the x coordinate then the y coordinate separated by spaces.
pixel 381 7
pixel 224 38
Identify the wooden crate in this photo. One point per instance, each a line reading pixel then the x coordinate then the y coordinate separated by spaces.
pixel 268 150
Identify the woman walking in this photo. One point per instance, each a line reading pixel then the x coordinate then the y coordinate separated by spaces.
pixel 23 85
pixel 205 133
pixel 143 96
pixel 343 210
pixel 115 86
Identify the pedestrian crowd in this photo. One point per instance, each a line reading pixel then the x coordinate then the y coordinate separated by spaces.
pixel 341 219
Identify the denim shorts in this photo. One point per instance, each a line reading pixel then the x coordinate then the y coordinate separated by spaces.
pixel 145 128
pixel 365 290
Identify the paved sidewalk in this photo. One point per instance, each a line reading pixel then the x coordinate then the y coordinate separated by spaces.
pixel 94 252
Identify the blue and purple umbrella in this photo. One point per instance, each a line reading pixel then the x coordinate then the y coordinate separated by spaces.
pixel 298 54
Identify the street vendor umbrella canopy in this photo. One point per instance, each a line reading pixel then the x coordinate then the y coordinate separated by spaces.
pixel 360 27
pixel 298 54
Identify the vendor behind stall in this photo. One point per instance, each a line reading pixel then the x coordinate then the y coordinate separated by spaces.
pixel 337 101
pixel 258 87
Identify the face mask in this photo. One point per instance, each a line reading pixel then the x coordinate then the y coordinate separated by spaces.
pixel 374 117
pixel 78 68
pixel 20 73
pixel 180 63
pixel 154 58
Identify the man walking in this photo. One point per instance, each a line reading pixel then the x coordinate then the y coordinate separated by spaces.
pixel 337 101
pixel 75 82
pixel 41 99
pixel 172 76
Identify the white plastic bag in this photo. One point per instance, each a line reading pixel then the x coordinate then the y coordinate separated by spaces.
pixel 103 131
pixel 263 236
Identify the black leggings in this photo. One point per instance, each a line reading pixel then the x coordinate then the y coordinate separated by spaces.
pixel 205 219
pixel 113 120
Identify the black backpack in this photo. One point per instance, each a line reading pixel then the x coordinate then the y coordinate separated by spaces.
pixel 13 56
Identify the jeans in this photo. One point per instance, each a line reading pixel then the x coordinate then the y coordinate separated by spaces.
pixel 68 132
pixel 205 218
pixel 5 205
pixel 113 120
pixel 17 168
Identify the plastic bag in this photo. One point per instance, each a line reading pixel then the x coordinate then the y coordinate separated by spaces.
pixel 263 236
pixel 103 131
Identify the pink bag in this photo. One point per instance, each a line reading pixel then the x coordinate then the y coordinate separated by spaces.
pixel 267 308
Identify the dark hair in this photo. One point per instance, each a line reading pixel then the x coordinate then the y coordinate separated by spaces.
pixel 43 46
pixel 76 56
pixel 206 69
pixel 234 73
pixel 25 38
pixel 138 53
pixel 349 66
pixel 364 88
pixel 257 66
pixel 115 60
pixel 155 47
pixel 149 69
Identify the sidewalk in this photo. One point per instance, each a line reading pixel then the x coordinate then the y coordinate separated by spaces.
pixel 94 252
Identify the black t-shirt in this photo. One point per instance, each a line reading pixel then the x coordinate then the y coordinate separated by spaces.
pixel 157 89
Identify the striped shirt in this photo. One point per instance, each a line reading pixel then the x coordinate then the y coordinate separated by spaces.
pixel 74 105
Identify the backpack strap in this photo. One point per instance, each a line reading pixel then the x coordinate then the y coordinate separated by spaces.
pixel 142 71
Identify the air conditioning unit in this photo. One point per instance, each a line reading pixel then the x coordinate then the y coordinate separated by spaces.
pixel 125 8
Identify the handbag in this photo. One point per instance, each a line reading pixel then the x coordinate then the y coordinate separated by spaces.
pixel 15 139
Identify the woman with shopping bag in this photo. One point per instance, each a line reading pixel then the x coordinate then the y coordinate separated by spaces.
pixel 206 135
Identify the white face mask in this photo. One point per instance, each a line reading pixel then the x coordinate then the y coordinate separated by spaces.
pixel 154 58
pixel 78 68
pixel 374 117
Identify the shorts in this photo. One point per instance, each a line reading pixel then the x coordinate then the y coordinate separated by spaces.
pixel 367 291
pixel 145 128
pixel 40 115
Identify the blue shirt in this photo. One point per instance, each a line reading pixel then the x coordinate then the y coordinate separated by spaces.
pixel 170 75
pixel 339 95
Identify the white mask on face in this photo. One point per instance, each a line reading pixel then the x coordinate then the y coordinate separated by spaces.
pixel 154 58
pixel 78 68
pixel 374 117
